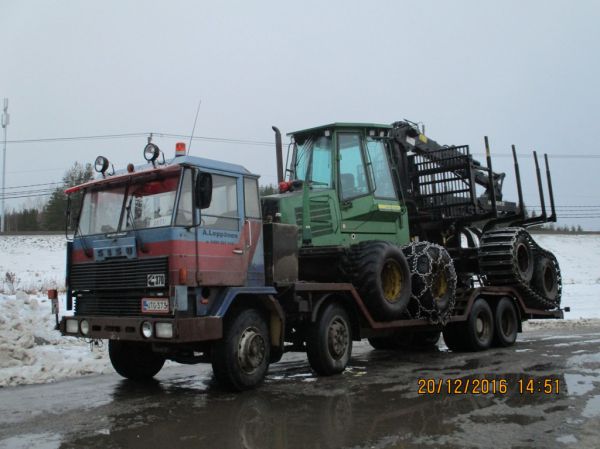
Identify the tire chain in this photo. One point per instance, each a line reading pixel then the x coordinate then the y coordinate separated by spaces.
pixel 531 295
pixel 435 256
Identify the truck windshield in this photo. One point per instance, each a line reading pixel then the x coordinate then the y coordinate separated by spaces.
pixel 101 211
pixel 151 204
pixel 313 162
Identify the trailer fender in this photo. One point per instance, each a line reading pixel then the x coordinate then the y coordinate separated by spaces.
pixel 257 297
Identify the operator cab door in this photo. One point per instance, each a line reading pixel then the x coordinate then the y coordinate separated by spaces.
pixel 368 201
pixel 221 234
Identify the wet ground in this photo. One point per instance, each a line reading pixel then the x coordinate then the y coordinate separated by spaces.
pixel 374 404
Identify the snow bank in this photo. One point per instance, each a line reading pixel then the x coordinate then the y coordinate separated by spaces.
pixel 579 259
pixel 31 351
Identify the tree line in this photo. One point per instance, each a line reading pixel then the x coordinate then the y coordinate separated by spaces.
pixel 50 216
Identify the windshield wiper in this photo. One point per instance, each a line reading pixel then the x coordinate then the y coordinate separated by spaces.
pixel 129 219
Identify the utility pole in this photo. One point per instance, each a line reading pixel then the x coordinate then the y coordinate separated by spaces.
pixel 5 122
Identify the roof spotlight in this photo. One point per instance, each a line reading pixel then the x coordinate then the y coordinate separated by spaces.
pixel 151 152
pixel 101 164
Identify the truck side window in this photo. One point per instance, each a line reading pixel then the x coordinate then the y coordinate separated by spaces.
pixel 185 214
pixel 223 211
pixel 251 202
pixel 381 170
pixel 353 181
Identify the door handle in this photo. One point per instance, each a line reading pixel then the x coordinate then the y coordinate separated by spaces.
pixel 238 251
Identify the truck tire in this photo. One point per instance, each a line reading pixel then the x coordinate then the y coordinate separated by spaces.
pixel 241 358
pixel 134 360
pixel 506 323
pixel 480 326
pixel 433 279
pixel 329 341
pixel 382 277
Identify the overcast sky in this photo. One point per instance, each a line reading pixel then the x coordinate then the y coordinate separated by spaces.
pixel 522 72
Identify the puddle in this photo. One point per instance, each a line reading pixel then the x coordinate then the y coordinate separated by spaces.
pixel 592 407
pixel 578 384
pixel 33 441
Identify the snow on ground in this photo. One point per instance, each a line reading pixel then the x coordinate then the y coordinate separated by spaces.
pixel 31 351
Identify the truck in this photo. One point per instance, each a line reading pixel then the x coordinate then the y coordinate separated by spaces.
pixel 376 232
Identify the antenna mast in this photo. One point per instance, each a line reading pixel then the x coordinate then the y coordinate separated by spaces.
pixel 194 127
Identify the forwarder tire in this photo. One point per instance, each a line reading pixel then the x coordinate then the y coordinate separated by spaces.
pixel 506 323
pixel 381 275
pixel 134 360
pixel 545 279
pixel 480 326
pixel 329 341
pixel 240 359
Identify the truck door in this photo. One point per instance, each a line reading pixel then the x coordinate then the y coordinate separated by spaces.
pixel 221 234
pixel 368 202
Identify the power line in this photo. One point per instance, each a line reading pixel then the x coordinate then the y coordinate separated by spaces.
pixel 34 185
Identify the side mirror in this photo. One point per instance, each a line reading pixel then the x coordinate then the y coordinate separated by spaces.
pixel 204 189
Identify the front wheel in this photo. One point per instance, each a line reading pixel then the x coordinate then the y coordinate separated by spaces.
pixel 134 360
pixel 329 341
pixel 241 358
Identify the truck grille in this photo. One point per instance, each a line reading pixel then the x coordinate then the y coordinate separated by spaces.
pixel 108 303
pixel 118 274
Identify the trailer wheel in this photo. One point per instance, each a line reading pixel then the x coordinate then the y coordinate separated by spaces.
pixel 134 360
pixel 386 343
pixel 424 339
pixel 455 337
pixel 506 323
pixel 241 358
pixel 329 341
pixel 480 326
pixel 381 274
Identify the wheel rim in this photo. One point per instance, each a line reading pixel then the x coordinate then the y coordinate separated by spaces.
pixel 482 327
pixel 549 279
pixel 440 286
pixel 523 258
pixel 251 350
pixel 391 280
pixel 337 338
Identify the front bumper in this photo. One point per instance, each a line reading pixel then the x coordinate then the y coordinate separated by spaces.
pixel 185 330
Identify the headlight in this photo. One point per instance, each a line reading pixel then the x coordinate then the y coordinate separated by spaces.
pixel 101 164
pixel 147 329
pixel 164 330
pixel 151 152
pixel 85 327
pixel 72 327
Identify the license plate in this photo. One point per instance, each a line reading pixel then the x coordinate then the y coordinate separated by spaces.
pixel 155 305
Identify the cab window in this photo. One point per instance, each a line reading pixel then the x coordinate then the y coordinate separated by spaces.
pixel 353 181
pixel 185 215
pixel 223 211
pixel 251 202
pixel 381 170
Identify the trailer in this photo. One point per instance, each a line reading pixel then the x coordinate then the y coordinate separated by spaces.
pixel 377 233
